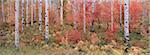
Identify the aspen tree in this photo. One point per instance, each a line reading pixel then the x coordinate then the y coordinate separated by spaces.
pixel 74 14
pixel 40 15
pixel 11 13
pixel 93 8
pixel 27 13
pixel 46 21
pixel 50 4
pixel 143 9
pixel 17 23
pixel 148 2
pixel 31 12
pixel 50 7
pixel 112 14
pixel 56 10
pixel 84 15
pixel 126 24
pixel 34 10
pixel 149 20
pixel 8 11
pixel 120 15
pixel 23 18
pixel 3 16
pixel 61 11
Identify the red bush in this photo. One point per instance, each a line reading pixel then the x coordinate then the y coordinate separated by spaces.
pixel 73 36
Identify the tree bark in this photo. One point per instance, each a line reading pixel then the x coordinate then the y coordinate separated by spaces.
pixel 23 17
pixel 92 22
pixel 46 21
pixel 40 15
pixel 120 15
pixel 149 20
pixel 27 13
pixel 84 16
pixel 32 3
pixel 112 15
pixel 126 24
pixel 74 14
pixel 8 9
pixel 3 16
pixel 34 10
pixel 17 23
pixel 61 12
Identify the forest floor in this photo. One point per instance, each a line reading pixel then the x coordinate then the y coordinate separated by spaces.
pixel 32 43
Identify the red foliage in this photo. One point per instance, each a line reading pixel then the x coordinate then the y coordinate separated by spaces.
pixel 58 37
pixel 135 14
pixel 112 34
pixel 102 12
pixel 73 36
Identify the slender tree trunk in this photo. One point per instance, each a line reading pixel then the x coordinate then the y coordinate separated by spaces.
pixel 126 24
pixel 23 17
pixel 17 23
pixel 40 15
pixel 92 22
pixel 8 11
pixel 149 20
pixel 84 15
pixel 148 2
pixel 50 8
pixel 74 13
pixel 27 13
pixel 32 12
pixel 50 4
pixel 120 15
pixel 11 13
pixel 56 10
pixel 112 15
pixel 143 15
pixel 61 12
pixel 46 21
pixel 3 16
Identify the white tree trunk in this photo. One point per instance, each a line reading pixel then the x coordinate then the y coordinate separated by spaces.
pixel 40 15
pixel 112 14
pixel 84 16
pixel 126 23
pixel 56 10
pixel 17 23
pixel 46 21
pixel 32 12
pixel 120 15
pixel 61 12
pixel 23 17
pixel 3 16
pixel 74 13
pixel 92 22
pixel 27 13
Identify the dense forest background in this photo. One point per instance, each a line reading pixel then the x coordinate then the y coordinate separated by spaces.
pixel 73 27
